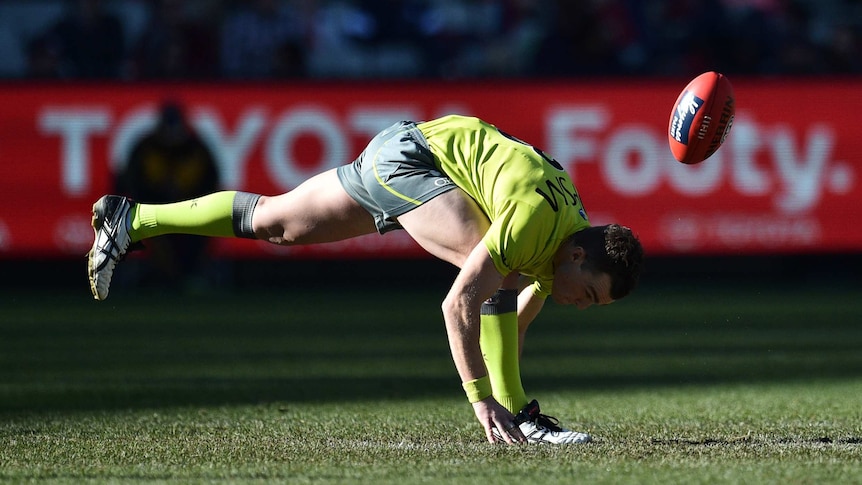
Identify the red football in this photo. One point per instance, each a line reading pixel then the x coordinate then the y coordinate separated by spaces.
pixel 701 118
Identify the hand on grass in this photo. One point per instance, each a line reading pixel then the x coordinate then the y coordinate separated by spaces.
pixel 493 415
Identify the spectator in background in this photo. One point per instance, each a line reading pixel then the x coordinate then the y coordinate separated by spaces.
pixel 263 39
pixel 510 50
pixel 86 43
pixel 340 36
pixel 746 42
pixel 390 44
pixel 797 54
pixel 450 29
pixel 845 49
pixel 174 46
pixel 169 164
pixel 42 59
pixel 484 38
pixel 578 42
pixel 460 39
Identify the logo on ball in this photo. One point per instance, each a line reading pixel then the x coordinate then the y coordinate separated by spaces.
pixel 686 110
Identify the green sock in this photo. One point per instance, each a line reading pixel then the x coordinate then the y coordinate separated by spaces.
pixel 211 215
pixel 499 341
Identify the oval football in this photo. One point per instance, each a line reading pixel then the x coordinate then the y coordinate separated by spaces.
pixel 701 118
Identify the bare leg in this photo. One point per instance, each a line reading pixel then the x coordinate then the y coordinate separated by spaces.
pixel 448 226
pixel 317 211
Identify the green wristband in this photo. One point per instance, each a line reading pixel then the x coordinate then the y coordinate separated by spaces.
pixel 477 389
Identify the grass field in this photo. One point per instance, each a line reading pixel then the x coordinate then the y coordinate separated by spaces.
pixel 677 385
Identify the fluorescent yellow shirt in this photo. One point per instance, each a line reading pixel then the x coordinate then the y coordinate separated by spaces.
pixel 530 200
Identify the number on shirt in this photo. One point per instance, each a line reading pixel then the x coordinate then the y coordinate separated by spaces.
pixel 542 154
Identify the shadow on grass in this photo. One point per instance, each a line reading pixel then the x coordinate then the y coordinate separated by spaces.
pixel 152 351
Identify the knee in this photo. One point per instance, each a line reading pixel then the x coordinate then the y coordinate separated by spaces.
pixel 265 221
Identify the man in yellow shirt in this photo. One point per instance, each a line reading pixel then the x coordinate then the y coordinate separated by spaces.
pixel 468 193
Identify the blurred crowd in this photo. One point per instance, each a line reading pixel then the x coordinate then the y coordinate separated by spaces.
pixel 455 39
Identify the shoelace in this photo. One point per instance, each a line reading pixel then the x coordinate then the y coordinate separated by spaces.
pixel 531 414
pixel 548 422
pixel 111 249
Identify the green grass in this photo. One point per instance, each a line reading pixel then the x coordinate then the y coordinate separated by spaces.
pixel 677 386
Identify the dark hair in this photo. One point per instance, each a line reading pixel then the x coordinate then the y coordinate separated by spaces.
pixel 615 250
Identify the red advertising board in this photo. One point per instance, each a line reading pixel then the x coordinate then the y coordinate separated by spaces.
pixel 786 180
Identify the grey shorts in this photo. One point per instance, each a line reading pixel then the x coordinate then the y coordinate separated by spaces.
pixel 393 175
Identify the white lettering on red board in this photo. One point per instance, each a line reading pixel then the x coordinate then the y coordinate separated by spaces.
pixel 793 168
pixel 757 160
pixel 232 147
pixel 75 126
pixel 690 232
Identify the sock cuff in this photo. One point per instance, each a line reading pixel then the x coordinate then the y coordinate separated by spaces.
pixel 243 208
pixel 512 403
pixel 142 218
pixel 146 216
pixel 503 301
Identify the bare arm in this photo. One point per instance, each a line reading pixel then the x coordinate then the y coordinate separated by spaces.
pixel 477 281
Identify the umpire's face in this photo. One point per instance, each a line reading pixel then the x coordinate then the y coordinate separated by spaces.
pixel 574 285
